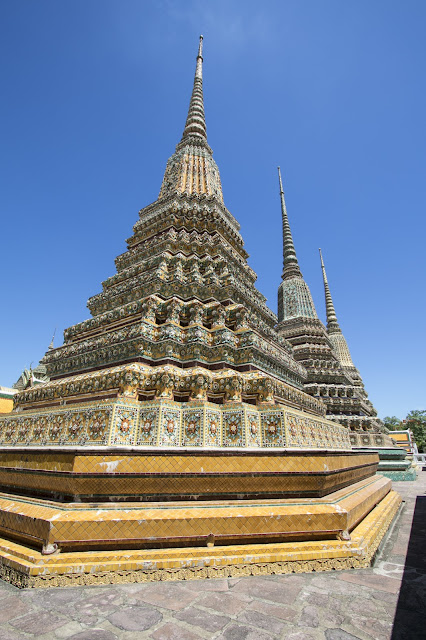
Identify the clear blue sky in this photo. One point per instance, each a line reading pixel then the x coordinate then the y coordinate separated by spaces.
pixel 94 99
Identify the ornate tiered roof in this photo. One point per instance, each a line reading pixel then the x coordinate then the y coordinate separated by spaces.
pixel 183 292
pixel 181 322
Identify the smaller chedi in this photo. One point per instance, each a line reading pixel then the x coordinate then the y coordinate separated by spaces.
pixel 175 438
pixel 324 353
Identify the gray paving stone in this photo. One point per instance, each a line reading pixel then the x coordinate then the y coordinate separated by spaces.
pixel 309 617
pixel 11 607
pixel 38 623
pixel 95 634
pixel 54 598
pixel 168 595
pixel 199 618
pixel 223 602
pixel 68 630
pixel 372 581
pixel 214 584
pixel 262 621
pixel 135 618
pixel 332 618
pixel 283 612
pixel 318 599
pixel 9 634
pixel 241 632
pixel 385 596
pixel 339 634
pixel 284 593
pixel 301 635
pixel 378 629
pixel 172 631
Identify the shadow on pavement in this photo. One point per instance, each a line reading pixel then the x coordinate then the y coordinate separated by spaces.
pixel 410 616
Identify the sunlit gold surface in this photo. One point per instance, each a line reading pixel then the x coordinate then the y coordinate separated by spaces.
pixel 27 568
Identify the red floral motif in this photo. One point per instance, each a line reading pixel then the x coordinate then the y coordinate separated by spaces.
pixel 213 427
pixel 170 426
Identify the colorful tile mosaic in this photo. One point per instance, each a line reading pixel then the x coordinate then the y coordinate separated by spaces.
pixel 273 432
pixel 148 426
pixel 166 423
pixel 193 423
pixel 125 424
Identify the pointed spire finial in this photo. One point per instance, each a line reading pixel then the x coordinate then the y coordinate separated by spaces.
pixel 199 67
pixel 290 265
pixel 51 345
pixel 196 123
pixel 334 332
pixel 332 323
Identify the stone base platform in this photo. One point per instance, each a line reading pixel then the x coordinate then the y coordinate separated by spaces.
pixel 394 463
pixel 82 474
pixel 204 540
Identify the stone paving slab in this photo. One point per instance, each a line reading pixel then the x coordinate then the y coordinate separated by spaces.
pixel 385 602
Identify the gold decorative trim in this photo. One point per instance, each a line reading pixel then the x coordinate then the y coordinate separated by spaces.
pixel 365 539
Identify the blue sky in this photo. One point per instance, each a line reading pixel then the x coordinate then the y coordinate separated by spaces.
pixel 95 95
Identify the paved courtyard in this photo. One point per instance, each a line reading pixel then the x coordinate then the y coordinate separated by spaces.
pixel 385 602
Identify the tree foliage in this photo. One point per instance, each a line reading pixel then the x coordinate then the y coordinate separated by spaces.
pixel 392 423
pixel 416 421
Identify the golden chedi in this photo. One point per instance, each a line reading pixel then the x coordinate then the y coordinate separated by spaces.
pixel 174 439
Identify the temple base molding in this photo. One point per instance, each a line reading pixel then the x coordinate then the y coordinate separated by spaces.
pixel 339 531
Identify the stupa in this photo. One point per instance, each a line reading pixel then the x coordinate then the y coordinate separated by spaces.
pixel 174 439
pixel 324 353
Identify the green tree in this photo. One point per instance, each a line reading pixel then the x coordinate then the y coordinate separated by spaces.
pixel 416 421
pixel 392 423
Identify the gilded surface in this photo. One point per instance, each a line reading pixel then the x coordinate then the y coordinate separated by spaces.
pixel 25 568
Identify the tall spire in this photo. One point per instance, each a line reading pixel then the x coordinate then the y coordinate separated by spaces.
pixel 332 324
pixel 196 122
pixel 294 297
pixel 335 334
pixel 290 265
pixel 191 170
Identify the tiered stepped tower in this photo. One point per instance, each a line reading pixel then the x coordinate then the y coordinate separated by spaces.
pixel 323 352
pixel 175 439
